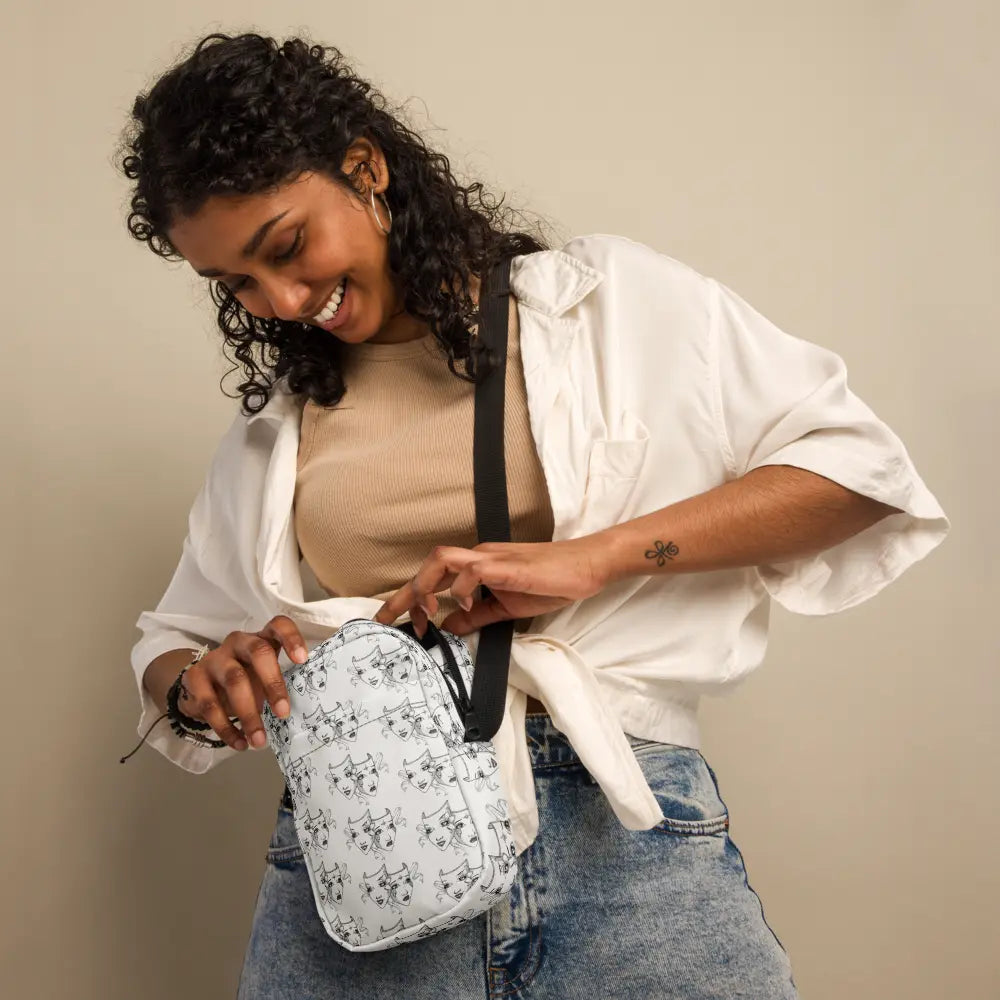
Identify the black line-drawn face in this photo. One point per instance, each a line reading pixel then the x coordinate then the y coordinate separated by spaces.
pixel 317 830
pixel 456 882
pixel 343 777
pixel 360 832
pixel 435 827
pixel 368 669
pixel 384 831
pixel 462 827
pixel 425 725
pixel 366 776
pixel 419 772
pixel 401 886
pixel 315 676
pixel 400 667
pixel 377 886
pixel 298 775
pixel 322 727
pixel 332 880
pixel 444 771
pixel 444 723
pixel 400 720
pixel 345 720
pixel 350 931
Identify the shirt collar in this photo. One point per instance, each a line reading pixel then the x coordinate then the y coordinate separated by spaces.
pixel 552 281
pixel 549 281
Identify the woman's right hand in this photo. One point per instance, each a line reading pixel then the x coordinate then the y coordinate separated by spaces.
pixel 237 677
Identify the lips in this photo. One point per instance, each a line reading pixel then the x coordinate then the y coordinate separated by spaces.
pixel 318 307
pixel 344 311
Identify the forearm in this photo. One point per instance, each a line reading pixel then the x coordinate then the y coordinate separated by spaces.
pixel 772 514
pixel 163 671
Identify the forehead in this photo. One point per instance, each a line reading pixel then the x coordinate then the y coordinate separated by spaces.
pixel 224 224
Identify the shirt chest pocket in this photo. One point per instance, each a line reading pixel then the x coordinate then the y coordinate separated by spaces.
pixel 612 475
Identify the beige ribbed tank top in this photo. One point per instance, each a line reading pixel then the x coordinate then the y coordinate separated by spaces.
pixel 386 474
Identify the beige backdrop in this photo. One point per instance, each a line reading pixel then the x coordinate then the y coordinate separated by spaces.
pixel 834 162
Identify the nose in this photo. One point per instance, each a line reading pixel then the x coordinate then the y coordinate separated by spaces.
pixel 288 299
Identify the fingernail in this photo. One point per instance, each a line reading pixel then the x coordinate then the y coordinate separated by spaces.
pixel 241 744
pixel 466 603
pixel 258 739
pixel 281 708
pixel 301 654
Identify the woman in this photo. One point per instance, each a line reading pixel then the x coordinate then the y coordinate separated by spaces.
pixel 673 459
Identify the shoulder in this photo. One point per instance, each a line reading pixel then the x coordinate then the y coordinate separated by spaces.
pixel 608 275
pixel 243 452
pixel 620 259
pixel 637 287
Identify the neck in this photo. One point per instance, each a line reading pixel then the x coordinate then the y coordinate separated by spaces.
pixel 402 327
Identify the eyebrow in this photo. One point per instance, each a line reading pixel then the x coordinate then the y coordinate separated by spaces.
pixel 251 248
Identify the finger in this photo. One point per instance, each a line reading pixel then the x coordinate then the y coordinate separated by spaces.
pixel 480 614
pixel 232 674
pixel 439 569
pixel 282 628
pixel 206 702
pixel 463 588
pixel 401 603
pixel 259 651
pixel 186 701
pixel 419 618
pixel 395 606
pixel 435 574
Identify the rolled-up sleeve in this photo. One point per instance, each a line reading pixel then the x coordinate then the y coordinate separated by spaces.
pixel 192 611
pixel 782 400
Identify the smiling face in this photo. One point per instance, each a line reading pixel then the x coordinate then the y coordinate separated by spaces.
pixel 323 234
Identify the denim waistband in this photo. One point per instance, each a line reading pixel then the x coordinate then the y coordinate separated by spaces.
pixel 546 745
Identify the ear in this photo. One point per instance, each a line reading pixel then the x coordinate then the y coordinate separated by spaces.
pixel 364 163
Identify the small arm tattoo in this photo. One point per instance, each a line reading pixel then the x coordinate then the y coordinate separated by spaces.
pixel 662 552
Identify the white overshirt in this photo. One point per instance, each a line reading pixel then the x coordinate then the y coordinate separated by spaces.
pixel 647 383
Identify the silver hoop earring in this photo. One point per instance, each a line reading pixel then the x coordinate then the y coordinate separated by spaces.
pixel 378 221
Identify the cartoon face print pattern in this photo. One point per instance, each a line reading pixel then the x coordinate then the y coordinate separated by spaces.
pixel 409 720
pixel 399 667
pixel 279 733
pixel 394 811
pixel 357 779
pixel 447 827
pixel 349 931
pixel 391 888
pixel 311 679
pixel 456 882
pixel 332 881
pixel 338 725
pixel 426 772
pixel 478 764
pixel 314 830
pixel 374 834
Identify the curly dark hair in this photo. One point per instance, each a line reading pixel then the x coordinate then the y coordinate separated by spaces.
pixel 245 114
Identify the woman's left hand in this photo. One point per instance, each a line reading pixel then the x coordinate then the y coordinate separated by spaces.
pixel 525 579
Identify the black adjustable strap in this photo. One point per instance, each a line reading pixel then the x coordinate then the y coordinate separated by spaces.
pixel 489 683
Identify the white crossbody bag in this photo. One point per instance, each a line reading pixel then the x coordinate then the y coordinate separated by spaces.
pixel 387 750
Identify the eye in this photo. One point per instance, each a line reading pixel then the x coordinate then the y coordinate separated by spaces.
pixel 281 258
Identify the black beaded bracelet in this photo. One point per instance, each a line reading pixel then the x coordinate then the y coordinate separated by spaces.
pixel 183 725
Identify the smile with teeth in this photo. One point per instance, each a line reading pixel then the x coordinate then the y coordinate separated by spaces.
pixel 331 308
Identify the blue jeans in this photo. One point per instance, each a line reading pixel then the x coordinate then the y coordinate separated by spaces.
pixel 597 910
